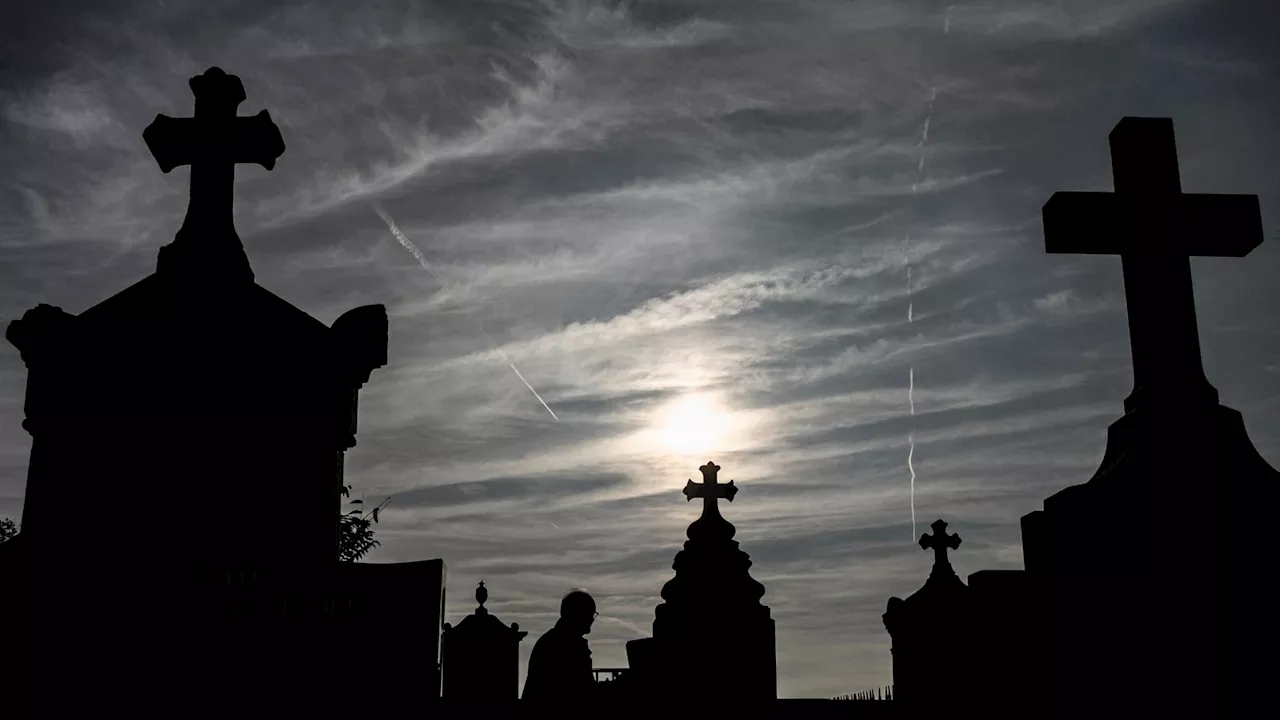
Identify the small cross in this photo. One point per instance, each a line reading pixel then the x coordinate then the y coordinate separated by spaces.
pixel 939 542
pixel 1154 227
pixel 212 143
pixel 709 490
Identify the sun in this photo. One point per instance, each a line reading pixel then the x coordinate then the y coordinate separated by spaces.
pixel 691 426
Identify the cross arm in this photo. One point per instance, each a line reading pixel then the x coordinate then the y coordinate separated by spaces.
pixel 179 141
pixel 693 490
pixel 1101 223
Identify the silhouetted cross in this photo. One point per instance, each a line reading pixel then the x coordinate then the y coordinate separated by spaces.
pixel 709 490
pixel 1154 227
pixel 939 541
pixel 212 143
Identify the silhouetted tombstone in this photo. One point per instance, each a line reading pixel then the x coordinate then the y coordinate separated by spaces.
pixel 482 657
pixel 712 629
pixel 394 614
pixel 1147 629
pixel 1010 642
pixel 217 413
pixel 932 630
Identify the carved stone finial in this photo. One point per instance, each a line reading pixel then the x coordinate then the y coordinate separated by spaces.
pixel 481 594
pixel 213 141
pixel 940 542
pixel 711 524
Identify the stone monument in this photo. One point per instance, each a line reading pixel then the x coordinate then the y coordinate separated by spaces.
pixel 1177 459
pixel 930 629
pixel 188 437
pixel 1145 588
pixel 712 628
pixel 481 657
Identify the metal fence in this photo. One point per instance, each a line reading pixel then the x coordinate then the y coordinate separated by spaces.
pixel 884 693
pixel 607 674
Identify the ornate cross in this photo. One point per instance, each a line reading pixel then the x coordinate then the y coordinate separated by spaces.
pixel 1154 227
pixel 940 542
pixel 212 143
pixel 709 490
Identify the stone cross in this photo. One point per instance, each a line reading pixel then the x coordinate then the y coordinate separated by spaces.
pixel 212 143
pixel 939 542
pixel 709 490
pixel 1154 227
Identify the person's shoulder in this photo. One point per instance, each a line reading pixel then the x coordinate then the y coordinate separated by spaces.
pixel 559 632
pixel 554 636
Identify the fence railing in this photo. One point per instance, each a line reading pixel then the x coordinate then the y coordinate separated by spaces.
pixel 884 693
pixel 607 674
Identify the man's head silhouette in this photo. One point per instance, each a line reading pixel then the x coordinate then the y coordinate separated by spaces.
pixel 578 611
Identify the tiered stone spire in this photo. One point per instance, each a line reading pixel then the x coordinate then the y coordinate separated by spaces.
pixel 712 624
pixel 711 565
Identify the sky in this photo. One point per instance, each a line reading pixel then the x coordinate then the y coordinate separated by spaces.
pixel 801 239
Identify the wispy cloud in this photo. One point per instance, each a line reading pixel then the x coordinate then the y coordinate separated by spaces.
pixel 67 108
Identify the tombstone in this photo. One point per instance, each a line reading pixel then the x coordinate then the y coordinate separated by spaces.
pixel 1010 642
pixel 930 630
pixel 482 657
pixel 712 629
pixel 394 614
pixel 192 426
pixel 1143 586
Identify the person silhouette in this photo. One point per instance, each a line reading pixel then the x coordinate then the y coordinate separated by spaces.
pixel 560 663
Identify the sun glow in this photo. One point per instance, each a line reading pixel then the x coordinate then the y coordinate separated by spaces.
pixel 692 425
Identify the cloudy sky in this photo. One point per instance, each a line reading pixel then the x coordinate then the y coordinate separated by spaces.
pixel 721 229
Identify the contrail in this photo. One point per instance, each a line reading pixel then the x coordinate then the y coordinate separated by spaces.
pixel 516 370
pixel 924 137
pixel 910 303
pixel 911 450
pixel 408 245
pixel 413 249
pixel 906 244
pixel 911 391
